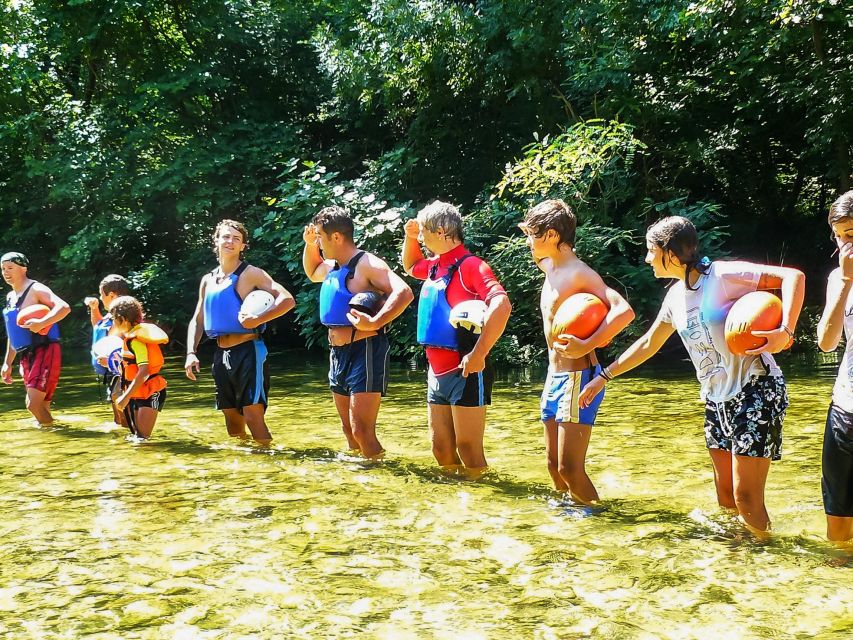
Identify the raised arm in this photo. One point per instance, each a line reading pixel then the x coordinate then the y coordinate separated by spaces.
pixel 194 330
pixel 312 262
pixel 94 310
pixel 412 253
pixel 635 355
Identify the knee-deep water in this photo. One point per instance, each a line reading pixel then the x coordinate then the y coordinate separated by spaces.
pixel 195 535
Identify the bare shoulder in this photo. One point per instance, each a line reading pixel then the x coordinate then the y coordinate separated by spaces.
pixel 373 262
pixel 574 276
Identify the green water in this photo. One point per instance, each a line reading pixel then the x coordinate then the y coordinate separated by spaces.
pixel 195 536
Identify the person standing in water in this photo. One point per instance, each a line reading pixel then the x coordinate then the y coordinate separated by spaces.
pixel 550 229
pixel 41 356
pixel 745 395
pixel 837 318
pixel 359 296
pixel 110 288
pixel 460 375
pixel 239 362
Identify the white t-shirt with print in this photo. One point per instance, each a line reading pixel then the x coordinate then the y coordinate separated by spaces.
pixel 842 392
pixel 699 317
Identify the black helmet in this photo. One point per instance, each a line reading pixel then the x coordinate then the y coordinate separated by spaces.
pixel 367 302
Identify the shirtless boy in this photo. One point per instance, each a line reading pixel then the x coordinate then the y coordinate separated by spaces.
pixel 550 230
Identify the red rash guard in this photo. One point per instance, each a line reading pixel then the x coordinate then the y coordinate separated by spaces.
pixel 473 281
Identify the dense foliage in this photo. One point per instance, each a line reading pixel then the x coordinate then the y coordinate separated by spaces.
pixel 128 128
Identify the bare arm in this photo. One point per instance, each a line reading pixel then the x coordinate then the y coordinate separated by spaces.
pixel 831 325
pixel 382 278
pixel 635 355
pixel 138 381
pixel 194 330
pixel 6 372
pixel 497 315
pixel 312 262
pixel 792 282
pixel 412 253
pixel 58 308
pixel 284 302
pixel 619 316
pixel 94 310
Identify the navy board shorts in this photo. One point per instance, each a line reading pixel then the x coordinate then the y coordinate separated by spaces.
pixel 750 423
pixel 452 389
pixel 837 463
pixel 241 375
pixel 361 366
pixel 561 394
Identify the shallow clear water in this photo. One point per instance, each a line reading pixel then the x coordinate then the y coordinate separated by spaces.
pixel 195 536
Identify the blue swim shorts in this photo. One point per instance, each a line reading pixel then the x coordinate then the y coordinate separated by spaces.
pixel 452 389
pixel 561 393
pixel 360 367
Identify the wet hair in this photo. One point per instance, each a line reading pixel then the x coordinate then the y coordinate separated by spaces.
pixel 552 214
pixel 334 219
pixel 442 215
pixel 678 236
pixel 237 226
pixel 127 309
pixel 841 209
pixel 116 284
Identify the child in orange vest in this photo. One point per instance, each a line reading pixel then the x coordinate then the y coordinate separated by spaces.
pixel 143 389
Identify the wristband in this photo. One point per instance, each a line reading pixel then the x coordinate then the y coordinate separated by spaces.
pixel 190 353
pixel 788 331
pixel 600 374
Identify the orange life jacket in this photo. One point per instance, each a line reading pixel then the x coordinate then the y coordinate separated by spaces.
pixel 152 337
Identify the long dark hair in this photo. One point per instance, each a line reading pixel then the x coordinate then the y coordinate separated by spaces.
pixel 678 235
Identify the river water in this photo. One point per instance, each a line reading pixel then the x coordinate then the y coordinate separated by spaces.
pixel 195 536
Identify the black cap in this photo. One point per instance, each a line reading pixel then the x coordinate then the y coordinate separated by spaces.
pixel 15 257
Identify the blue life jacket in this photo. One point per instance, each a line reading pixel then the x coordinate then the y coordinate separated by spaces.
pixel 222 305
pixel 334 295
pixel 100 330
pixel 434 328
pixel 20 338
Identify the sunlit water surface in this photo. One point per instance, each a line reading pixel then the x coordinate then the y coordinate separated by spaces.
pixel 196 536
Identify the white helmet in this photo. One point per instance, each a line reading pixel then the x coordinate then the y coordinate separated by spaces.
pixel 256 302
pixel 469 315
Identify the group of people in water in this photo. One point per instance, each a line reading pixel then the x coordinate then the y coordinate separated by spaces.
pixel 745 395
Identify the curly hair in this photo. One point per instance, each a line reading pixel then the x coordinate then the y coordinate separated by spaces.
pixel 127 309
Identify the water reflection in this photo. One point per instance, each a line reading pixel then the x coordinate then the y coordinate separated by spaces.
pixel 193 535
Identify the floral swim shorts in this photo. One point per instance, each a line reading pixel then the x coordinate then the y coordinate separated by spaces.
pixel 750 423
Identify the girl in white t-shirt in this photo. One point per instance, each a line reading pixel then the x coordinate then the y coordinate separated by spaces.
pixel 745 396
pixel 837 459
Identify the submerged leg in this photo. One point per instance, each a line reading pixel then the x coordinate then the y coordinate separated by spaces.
pixel 442 436
pixel 573 443
pixel 722 461
pixel 254 416
pixel 551 429
pixel 364 409
pixel 750 477
pixel 342 406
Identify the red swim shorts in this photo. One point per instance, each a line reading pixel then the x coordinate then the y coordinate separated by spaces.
pixel 40 368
